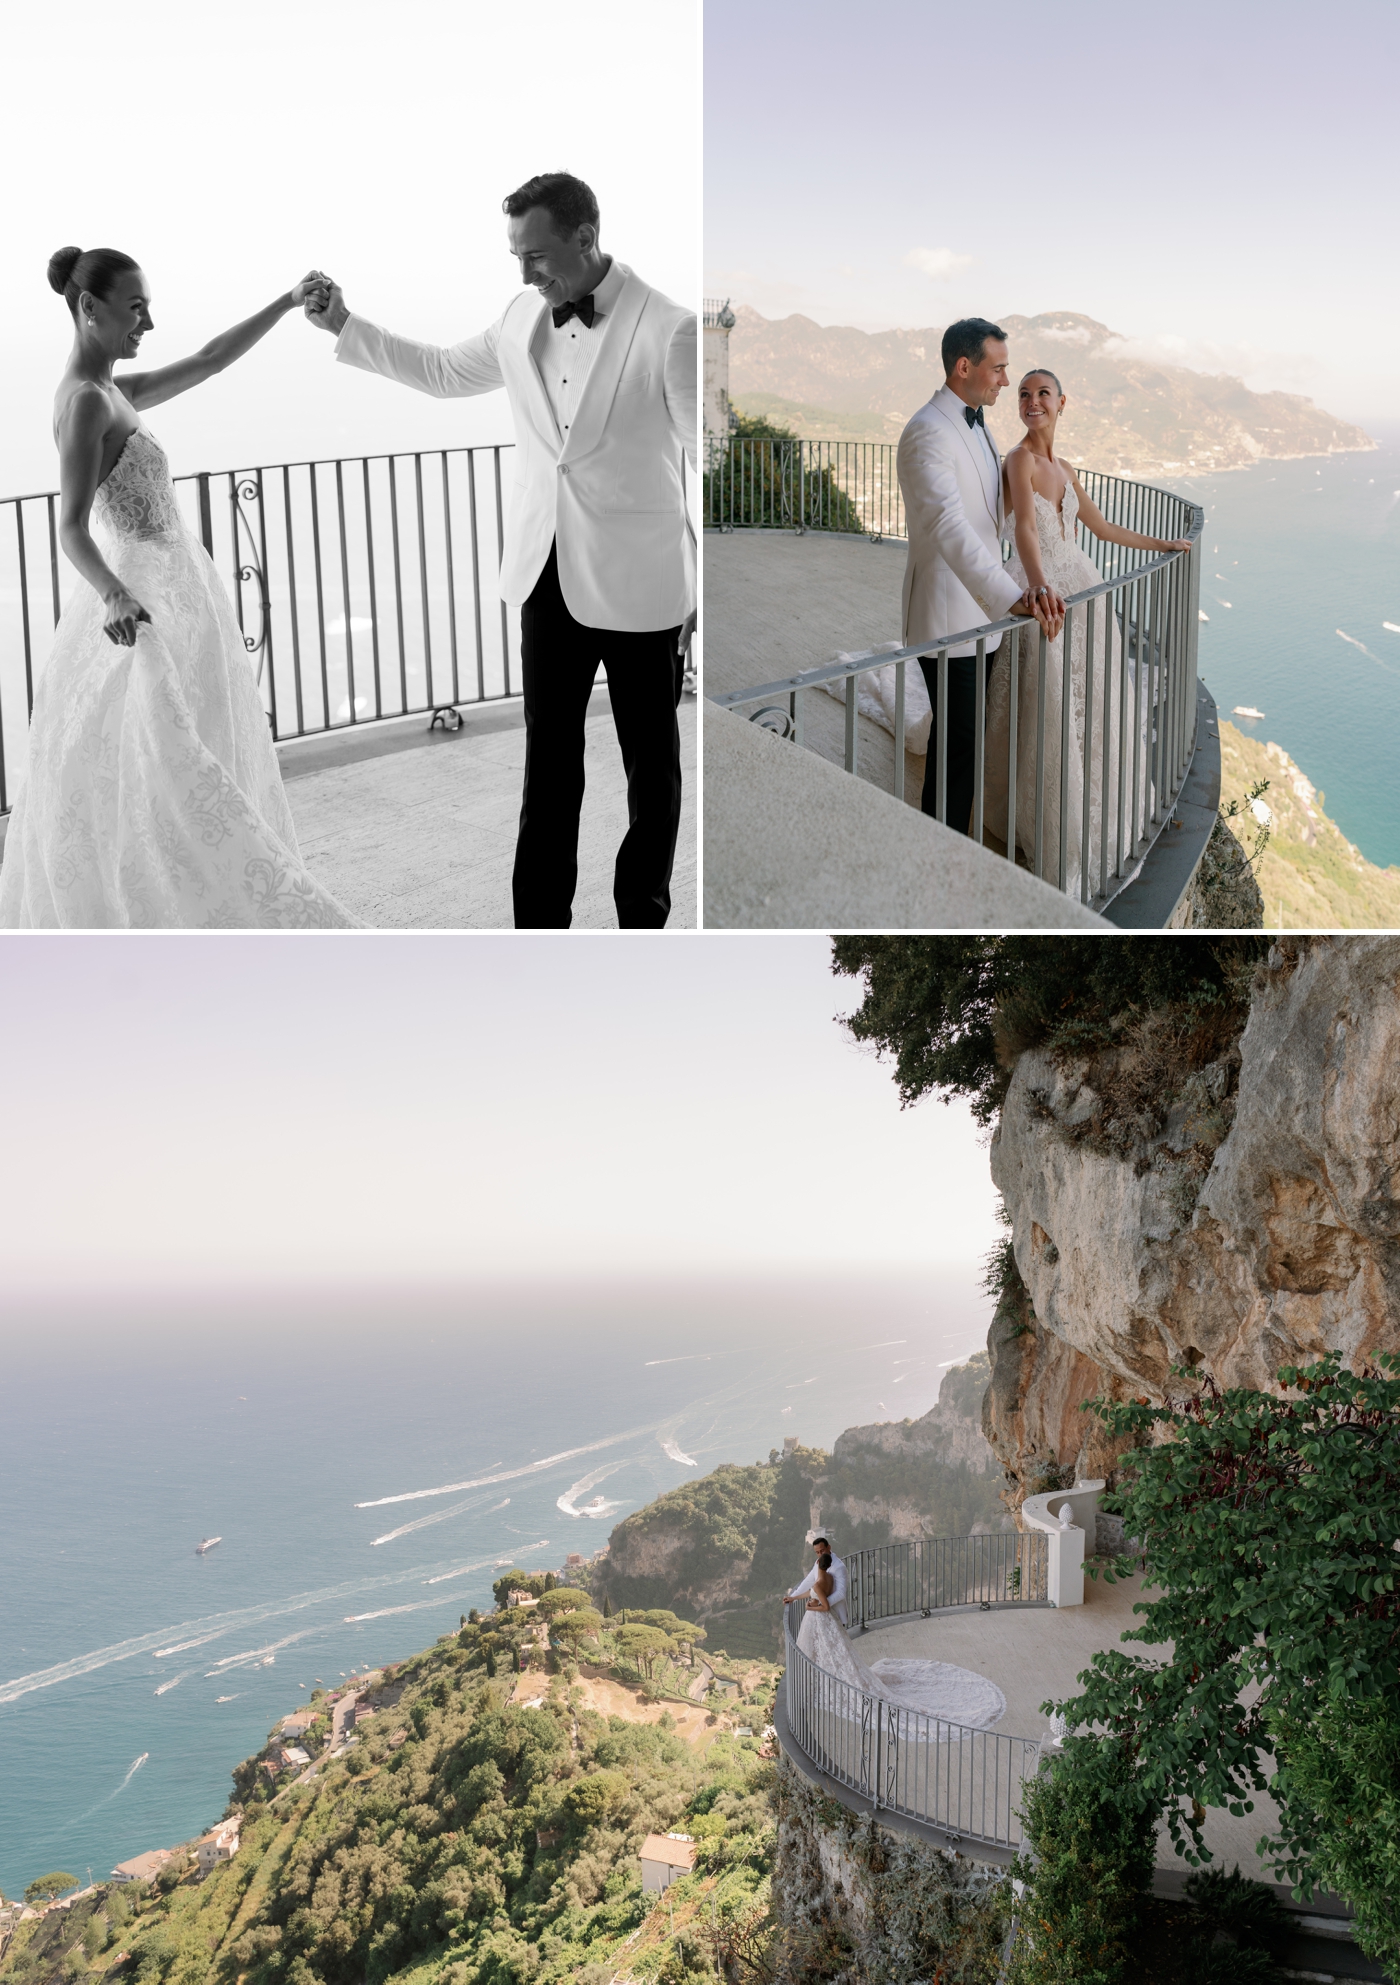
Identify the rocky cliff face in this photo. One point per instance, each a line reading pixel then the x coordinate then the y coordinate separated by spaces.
pixel 1228 1205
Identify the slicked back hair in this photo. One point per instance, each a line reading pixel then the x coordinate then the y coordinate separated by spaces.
pixel 968 339
pixel 569 203
pixel 1042 372
pixel 825 1543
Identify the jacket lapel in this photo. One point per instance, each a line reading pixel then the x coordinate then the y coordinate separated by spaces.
pixel 964 433
pixel 534 402
pixel 595 402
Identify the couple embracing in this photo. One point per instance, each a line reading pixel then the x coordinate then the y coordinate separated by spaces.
pixel 960 500
pixel 153 796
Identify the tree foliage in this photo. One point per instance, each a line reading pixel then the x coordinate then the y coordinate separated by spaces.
pixel 951 1010
pixel 1267 1525
pixel 45 1887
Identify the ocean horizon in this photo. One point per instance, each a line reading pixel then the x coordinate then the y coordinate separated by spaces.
pixel 367 1484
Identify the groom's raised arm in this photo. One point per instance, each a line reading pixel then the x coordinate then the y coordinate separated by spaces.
pixel 934 512
pixel 448 372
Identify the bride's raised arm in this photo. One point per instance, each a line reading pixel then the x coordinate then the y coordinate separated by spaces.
pixel 150 389
pixel 1094 520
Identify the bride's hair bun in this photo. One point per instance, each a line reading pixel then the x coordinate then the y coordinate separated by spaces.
pixel 61 268
pixel 73 270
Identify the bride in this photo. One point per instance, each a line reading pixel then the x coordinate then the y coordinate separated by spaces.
pixel 1048 501
pixel 935 1688
pixel 153 797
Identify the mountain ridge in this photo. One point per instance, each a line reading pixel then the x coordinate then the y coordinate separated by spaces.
pixel 1126 413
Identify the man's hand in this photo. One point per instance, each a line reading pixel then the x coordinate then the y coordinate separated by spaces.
pixel 687 634
pixel 326 308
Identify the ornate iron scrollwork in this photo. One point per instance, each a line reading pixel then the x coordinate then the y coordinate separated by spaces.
pixel 773 717
pixel 248 490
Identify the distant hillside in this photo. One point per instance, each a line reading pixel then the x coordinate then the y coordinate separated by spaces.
pixel 1125 414
pixel 1309 871
pixel 722 1549
pixel 480 1831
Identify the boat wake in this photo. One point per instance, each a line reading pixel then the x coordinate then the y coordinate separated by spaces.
pixel 670 1448
pixel 509 1474
pixel 256 1657
pixel 438 1516
pixel 569 1502
pixel 174 1682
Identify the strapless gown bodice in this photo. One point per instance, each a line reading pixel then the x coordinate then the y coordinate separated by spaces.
pixel 137 500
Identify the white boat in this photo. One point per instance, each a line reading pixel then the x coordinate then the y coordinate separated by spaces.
pixel 206 1544
pixel 1246 710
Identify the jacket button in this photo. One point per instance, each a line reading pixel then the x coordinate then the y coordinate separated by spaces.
pixel 563 468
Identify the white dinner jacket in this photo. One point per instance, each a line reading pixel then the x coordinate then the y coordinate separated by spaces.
pixel 954 577
pixel 612 492
pixel 837 1601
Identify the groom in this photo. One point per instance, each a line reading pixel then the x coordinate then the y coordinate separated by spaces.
pixel 600 373
pixel 837 1601
pixel 950 478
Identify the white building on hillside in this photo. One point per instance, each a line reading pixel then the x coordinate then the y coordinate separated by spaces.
pixel 665 1857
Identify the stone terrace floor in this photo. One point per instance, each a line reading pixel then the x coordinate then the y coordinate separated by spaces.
pixel 1034 1655
pixel 415 829
pixel 776 603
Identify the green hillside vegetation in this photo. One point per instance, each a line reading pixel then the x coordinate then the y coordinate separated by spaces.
pixel 1310 875
pixel 464 1839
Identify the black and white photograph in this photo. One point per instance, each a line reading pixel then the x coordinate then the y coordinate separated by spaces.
pixel 372 605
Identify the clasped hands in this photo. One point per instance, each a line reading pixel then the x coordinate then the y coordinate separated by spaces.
pixel 1044 604
pixel 322 302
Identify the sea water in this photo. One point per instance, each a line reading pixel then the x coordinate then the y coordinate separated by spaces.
pixel 1300 573
pixel 134 1674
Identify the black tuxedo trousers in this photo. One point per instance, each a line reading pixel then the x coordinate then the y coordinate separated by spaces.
pixel 962 737
pixel 560 660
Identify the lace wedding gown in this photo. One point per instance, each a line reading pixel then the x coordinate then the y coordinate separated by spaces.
pixel 935 1688
pixel 153 798
pixel 1068 570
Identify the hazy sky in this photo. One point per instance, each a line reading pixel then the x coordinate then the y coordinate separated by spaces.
pixel 1216 182
pixel 225 1113
pixel 232 148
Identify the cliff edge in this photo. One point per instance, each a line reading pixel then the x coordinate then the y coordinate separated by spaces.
pixel 1182 1198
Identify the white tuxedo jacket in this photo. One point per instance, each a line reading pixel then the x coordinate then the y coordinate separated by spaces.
pixel 954 513
pixel 837 1601
pixel 611 493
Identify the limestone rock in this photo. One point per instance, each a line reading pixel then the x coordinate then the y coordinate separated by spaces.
pixel 1245 1216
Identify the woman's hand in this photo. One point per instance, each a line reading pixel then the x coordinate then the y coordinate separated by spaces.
pixel 124 610
pixel 1173 544
pixel 315 287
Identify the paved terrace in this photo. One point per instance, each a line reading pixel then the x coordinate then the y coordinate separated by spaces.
pixel 776 603
pixel 415 829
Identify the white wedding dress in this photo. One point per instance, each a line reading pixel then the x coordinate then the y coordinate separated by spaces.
pixel 1068 570
pixel 933 1688
pixel 153 798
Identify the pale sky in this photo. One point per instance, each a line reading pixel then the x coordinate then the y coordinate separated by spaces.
pixel 217 1113
pixel 230 149
pixel 1216 183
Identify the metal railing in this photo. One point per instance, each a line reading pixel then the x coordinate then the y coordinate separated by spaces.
pixel 1110 719
pixel 775 484
pixel 365 588
pixel 1003 1568
pixel 963 1780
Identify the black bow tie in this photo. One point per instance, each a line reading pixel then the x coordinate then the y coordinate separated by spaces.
pixel 583 310
pixel 972 415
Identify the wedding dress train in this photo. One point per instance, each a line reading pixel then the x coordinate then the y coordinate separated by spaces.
pixel 153 798
pixel 934 1688
pixel 1068 570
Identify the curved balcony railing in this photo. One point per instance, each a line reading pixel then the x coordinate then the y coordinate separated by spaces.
pixel 1095 804
pixel 962 1781
pixel 365 589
